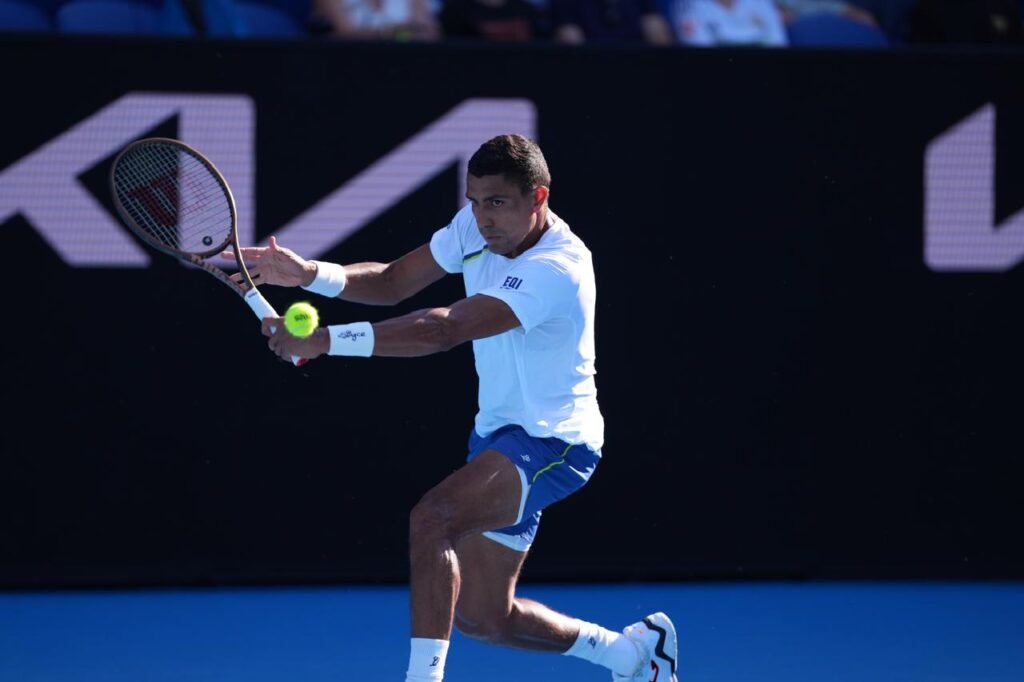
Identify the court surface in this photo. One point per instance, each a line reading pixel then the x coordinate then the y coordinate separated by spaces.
pixel 785 632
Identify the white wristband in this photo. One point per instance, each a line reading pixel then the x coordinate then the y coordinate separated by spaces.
pixel 330 279
pixel 351 339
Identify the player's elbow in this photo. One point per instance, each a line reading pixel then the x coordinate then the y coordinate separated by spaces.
pixel 392 289
pixel 441 330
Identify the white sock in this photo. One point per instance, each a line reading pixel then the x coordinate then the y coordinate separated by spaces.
pixel 426 660
pixel 613 650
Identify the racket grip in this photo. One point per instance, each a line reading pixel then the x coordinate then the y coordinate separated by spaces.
pixel 262 308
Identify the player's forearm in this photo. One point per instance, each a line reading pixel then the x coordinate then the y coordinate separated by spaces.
pixel 369 283
pixel 423 332
pixel 376 283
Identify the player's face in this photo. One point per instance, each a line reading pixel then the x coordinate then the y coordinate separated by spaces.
pixel 508 220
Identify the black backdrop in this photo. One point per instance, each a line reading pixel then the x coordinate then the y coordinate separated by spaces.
pixel 789 390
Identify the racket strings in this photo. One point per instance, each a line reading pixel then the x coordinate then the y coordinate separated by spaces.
pixel 173 198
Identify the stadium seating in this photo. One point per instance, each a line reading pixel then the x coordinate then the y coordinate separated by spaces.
pixel 20 16
pixel 265 19
pixel 833 30
pixel 107 17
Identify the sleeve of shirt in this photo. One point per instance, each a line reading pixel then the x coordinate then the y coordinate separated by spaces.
pixel 537 291
pixel 446 244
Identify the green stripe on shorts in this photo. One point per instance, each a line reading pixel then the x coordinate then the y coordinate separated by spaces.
pixel 553 464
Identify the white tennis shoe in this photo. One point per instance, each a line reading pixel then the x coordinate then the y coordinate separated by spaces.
pixel 655 639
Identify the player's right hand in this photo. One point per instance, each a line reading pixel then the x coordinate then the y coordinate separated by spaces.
pixel 286 346
pixel 274 264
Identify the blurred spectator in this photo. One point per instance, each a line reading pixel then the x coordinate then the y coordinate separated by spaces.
pixel 497 20
pixel 377 19
pixel 610 21
pixel 729 22
pixel 963 22
pixel 797 9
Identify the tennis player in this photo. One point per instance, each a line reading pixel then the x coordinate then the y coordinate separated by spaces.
pixel 529 311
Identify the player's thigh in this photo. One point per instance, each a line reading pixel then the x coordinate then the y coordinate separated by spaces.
pixel 484 494
pixel 489 572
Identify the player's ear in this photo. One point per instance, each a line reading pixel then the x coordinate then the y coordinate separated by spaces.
pixel 540 195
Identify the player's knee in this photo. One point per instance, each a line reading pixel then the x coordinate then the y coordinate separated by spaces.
pixel 429 523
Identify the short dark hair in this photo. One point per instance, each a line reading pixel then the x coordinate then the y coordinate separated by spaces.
pixel 515 157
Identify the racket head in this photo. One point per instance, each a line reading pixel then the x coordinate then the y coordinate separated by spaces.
pixel 177 201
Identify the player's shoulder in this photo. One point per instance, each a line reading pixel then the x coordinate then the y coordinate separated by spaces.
pixel 463 219
pixel 561 243
pixel 463 230
pixel 560 253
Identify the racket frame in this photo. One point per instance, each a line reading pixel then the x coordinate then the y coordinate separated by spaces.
pixel 249 293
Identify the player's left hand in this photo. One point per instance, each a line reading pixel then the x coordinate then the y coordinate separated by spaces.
pixel 273 264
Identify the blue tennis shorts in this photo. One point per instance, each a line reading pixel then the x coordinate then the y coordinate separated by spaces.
pixel 550 470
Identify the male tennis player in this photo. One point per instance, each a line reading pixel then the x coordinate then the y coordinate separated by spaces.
pixel 529 312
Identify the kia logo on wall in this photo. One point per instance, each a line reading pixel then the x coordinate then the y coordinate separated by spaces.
pixel 961 233
pixel 44 186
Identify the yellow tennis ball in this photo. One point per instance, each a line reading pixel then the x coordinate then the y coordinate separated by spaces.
pixel 301 319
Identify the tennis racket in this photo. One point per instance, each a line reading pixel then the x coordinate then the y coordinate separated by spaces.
pixel 176 201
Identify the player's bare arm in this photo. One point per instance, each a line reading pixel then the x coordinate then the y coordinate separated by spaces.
pixel 370 283
pixel 391 283
pixel 422 332
pixel 434 330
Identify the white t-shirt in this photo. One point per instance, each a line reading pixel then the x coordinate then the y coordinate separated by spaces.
pixel 540 375
pixel 745 22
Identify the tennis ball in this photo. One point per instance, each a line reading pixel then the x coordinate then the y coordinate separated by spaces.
pixel 301 319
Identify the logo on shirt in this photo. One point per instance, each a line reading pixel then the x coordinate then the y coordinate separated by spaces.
pixel 511 283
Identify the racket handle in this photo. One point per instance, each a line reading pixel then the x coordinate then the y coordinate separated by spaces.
pixel 262 308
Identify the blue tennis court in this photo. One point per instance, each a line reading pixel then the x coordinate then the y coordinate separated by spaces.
pixel 785 632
